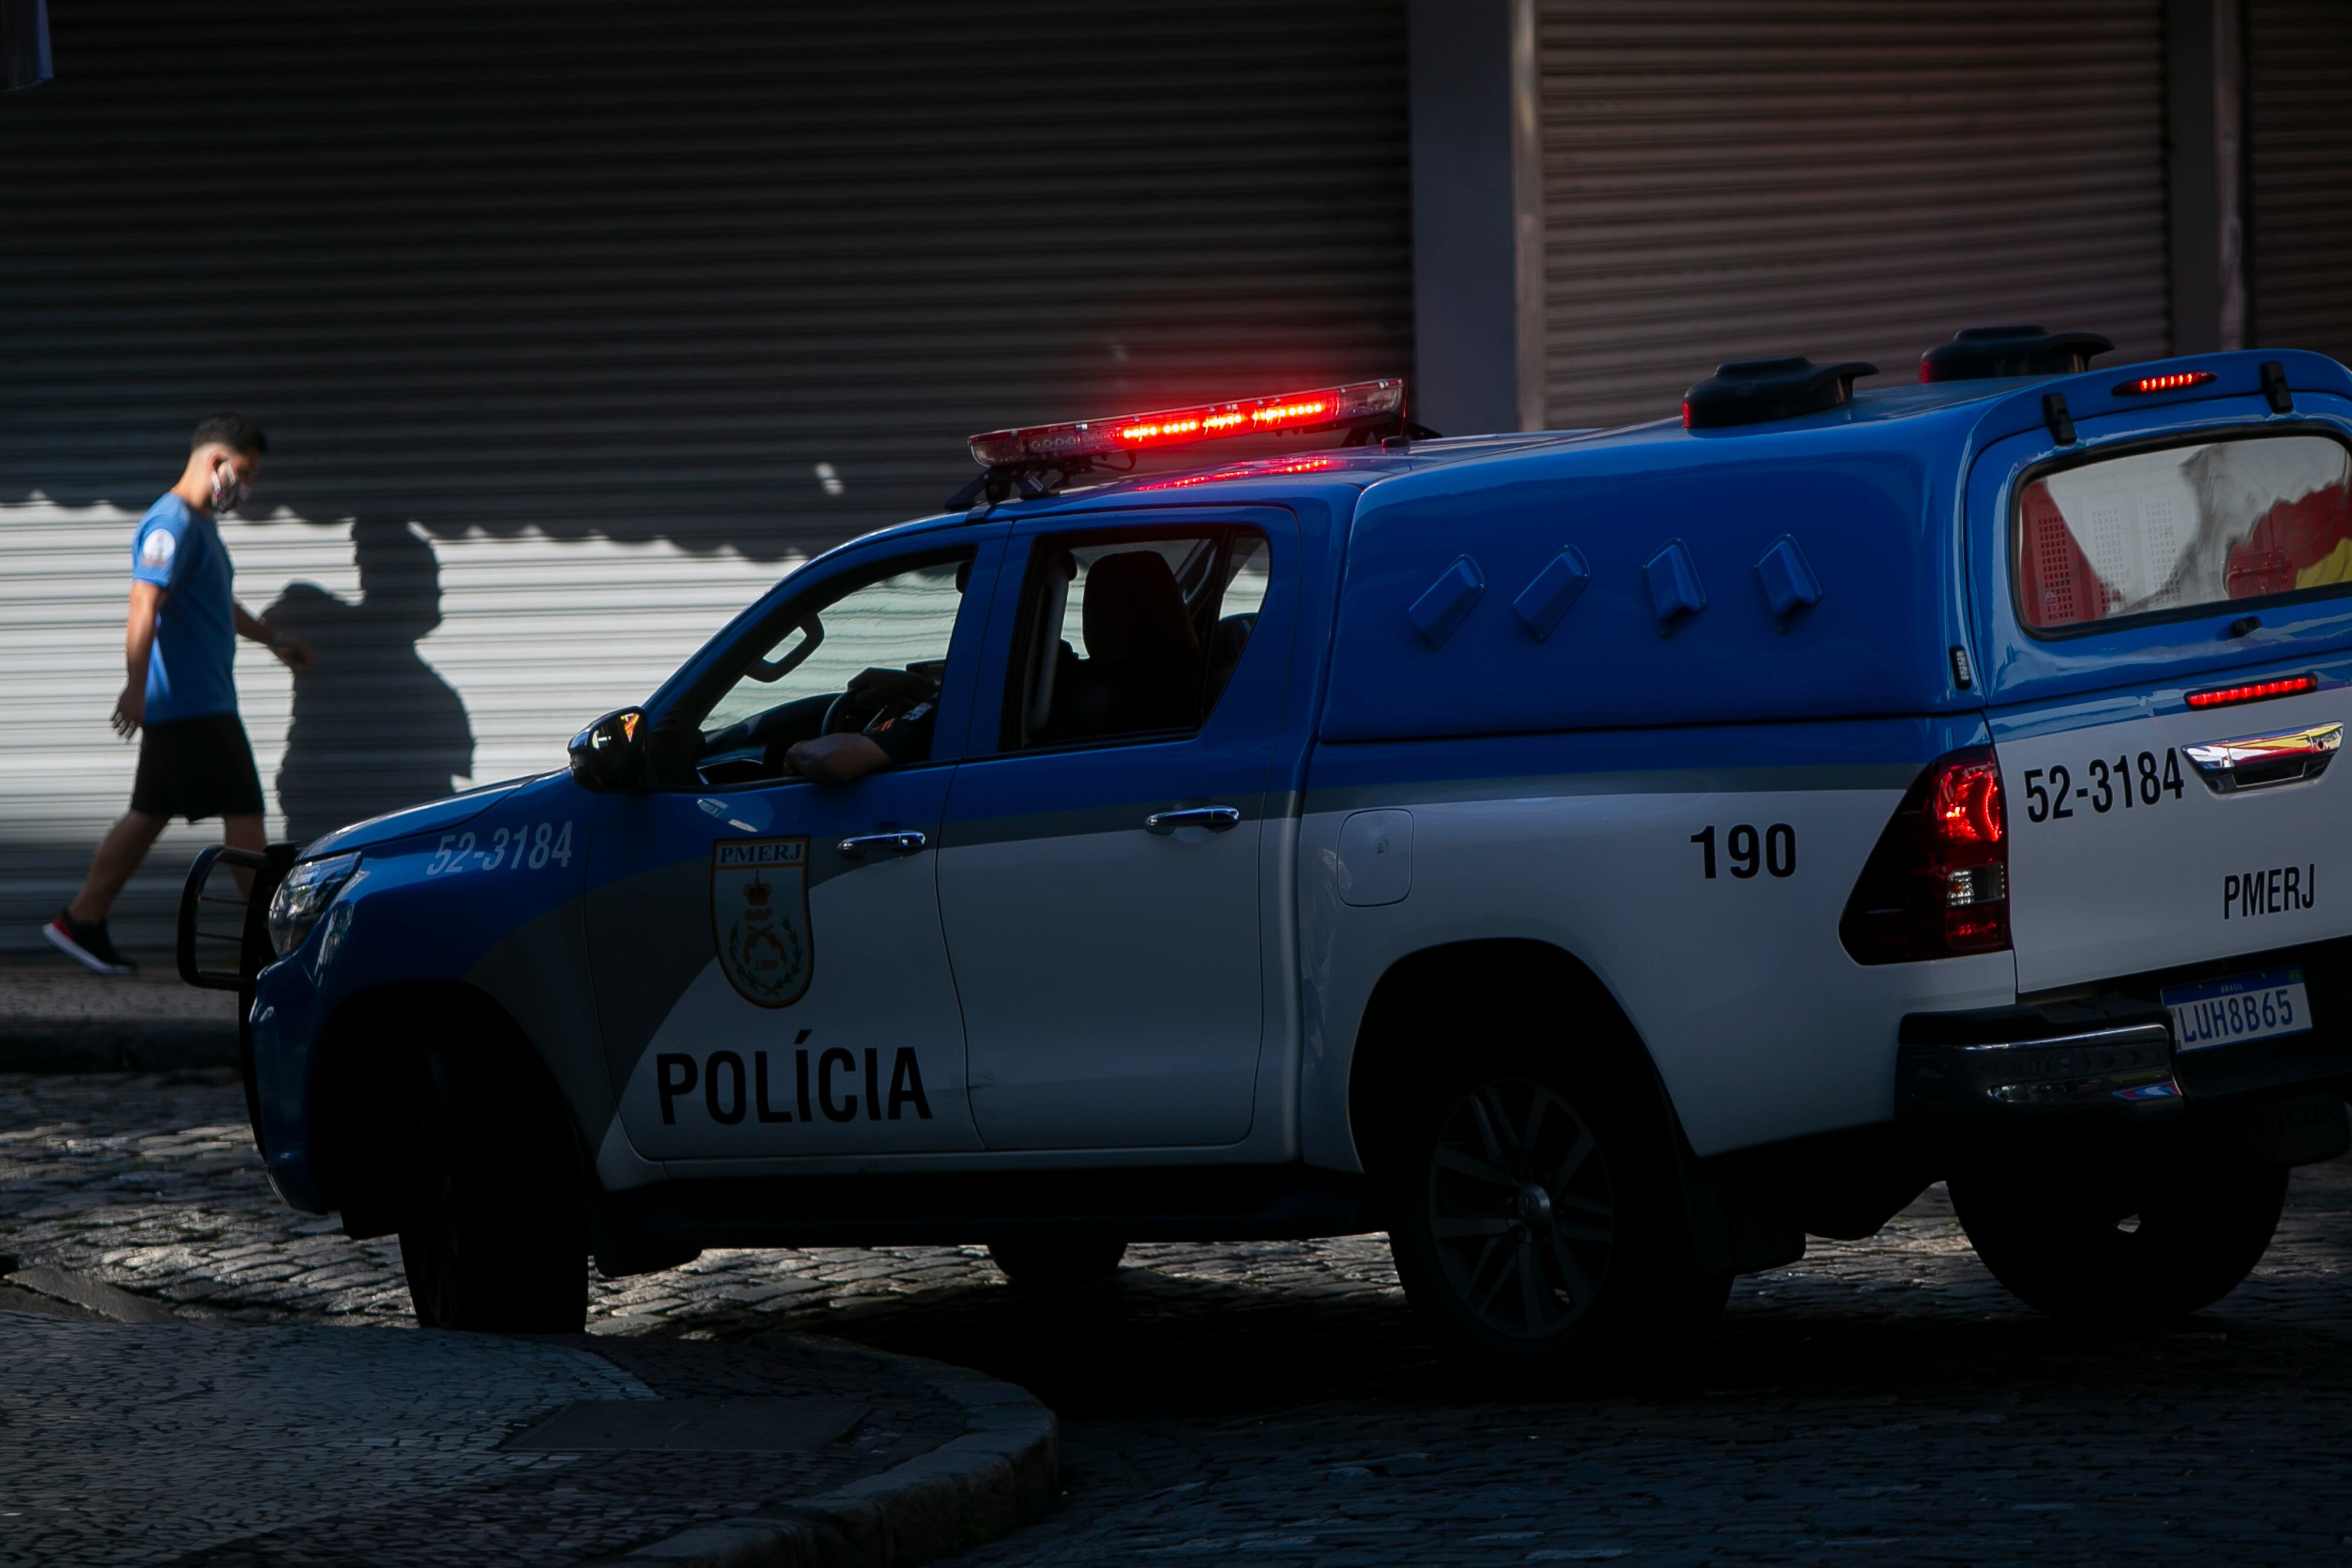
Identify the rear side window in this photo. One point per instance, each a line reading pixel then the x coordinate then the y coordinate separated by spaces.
pixel 2182 527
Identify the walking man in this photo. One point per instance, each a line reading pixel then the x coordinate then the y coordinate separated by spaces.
pixel 179 648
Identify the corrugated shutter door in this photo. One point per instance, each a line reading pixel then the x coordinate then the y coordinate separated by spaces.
pixel 573 322
pixel 2299 173
pixel 1845 179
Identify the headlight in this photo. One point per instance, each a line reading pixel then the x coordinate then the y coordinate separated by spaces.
pixel 303 896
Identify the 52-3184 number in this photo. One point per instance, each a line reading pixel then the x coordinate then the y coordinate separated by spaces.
pixel 526 845
pixel 2124 784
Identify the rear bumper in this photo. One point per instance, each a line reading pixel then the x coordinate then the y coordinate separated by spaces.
pixel 2112 1063
pixel 2021 1063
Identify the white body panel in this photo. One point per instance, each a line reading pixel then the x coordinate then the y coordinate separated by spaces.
pixel 2095 894
pixel 882 983
pixel 1761 1024
pixel 1110 985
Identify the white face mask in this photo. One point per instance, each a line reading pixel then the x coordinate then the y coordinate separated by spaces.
pixel 229 492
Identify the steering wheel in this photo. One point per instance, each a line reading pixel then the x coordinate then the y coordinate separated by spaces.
pixel 874 697
pixel 853 713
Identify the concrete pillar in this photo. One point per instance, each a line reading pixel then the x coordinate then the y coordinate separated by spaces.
pixel 2205 140
pixel 1477 216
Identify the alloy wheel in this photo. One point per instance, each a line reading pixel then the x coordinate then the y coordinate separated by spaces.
pixel 1520 1208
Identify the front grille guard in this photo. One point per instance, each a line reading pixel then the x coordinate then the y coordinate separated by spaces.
pixel 228 925
pixel 221 925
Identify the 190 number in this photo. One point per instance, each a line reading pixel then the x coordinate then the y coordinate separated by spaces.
pixel 527 846
pixel 1774 850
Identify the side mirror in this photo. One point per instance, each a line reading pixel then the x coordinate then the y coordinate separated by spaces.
pixel 608 755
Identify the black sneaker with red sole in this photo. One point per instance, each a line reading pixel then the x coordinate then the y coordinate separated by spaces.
pixel 88 942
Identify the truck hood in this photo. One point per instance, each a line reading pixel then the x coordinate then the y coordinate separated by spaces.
pixel 433 816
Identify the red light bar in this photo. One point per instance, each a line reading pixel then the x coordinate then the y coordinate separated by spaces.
pixel 2253 691
pixel 1329 408
pixel 2172 382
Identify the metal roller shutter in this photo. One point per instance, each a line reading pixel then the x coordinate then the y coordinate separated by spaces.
pixel 572 323
pixel 1839 178
pixel 2299 173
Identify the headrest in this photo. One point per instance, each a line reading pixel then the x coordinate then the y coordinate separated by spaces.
pixel 1135 611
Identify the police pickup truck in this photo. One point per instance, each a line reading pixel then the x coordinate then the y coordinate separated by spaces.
pixel 1598 859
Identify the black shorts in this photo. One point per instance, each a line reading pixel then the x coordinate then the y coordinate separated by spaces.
pixel 196 768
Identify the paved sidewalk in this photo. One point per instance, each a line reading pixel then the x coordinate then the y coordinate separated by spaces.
pixel 58 1017
pixel 222 1445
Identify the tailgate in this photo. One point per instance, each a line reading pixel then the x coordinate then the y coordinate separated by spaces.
pixel 2168 622
pixel 2174 835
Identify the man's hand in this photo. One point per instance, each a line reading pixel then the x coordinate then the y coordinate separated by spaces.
pixel 129 709
pixel 293 653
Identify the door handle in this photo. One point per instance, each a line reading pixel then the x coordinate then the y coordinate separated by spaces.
pixel 905 842
pixel 2255 762
pixel 1216 819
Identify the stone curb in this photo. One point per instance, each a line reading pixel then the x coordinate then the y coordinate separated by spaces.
pixel 1006 1470
pixel 47 1045
pixel 95 1297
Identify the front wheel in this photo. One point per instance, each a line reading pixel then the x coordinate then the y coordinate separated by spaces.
pixel 1537 1225
pixel 492 1236
pixel 2080 1247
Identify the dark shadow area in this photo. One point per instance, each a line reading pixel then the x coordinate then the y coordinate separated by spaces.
pixel 1910 1314
pixel 375 728
pixel 1146 1346
pixel 727 275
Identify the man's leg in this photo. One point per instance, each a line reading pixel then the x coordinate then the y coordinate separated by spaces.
pixel 243 832
pixel 119 854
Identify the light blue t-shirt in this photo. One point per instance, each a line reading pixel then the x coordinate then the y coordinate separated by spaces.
pixel 190 669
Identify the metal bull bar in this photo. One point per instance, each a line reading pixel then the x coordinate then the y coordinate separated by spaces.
pixel 230 926
pixel 233 925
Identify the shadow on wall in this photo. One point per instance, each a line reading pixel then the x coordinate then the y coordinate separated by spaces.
pixel 375 728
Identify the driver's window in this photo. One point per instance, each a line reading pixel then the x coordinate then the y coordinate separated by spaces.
pixel 791 687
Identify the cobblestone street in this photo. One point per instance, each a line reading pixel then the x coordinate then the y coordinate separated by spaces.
pixel 1272 1403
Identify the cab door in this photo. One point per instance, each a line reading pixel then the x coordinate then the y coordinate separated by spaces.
pixel 1099 874
pixel 2168 610
pixel 769 974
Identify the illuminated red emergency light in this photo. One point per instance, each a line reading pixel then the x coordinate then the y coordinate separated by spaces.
pixel 1329 408
pixel 2173 382
pixel 2253 691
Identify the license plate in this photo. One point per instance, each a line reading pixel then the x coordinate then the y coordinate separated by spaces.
pixel 2242 1006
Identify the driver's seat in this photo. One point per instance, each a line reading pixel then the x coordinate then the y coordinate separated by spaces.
pixel 1143 668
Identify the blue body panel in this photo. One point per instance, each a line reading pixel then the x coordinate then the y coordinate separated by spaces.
pixel 425 906
pixel 1675 624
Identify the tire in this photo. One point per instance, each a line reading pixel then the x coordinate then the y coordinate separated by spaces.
pixel 2078 1248
pixel 1057 1262
pixel 492 1236
pixel 1538 1226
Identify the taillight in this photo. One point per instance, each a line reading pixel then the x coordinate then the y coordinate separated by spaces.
pixel 1938 884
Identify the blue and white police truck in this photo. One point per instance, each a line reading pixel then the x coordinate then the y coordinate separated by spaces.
pixel 1600 860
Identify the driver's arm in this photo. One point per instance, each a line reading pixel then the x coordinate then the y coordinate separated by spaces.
pixel 837 758
pixel 846 758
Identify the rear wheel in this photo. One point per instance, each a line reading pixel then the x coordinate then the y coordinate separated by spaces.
pixel 491 1236
pixel 2083 1248
pixel 1057 1262
pixel 1537 1225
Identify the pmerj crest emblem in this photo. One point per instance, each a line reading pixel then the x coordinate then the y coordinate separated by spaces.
pixel 758 917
